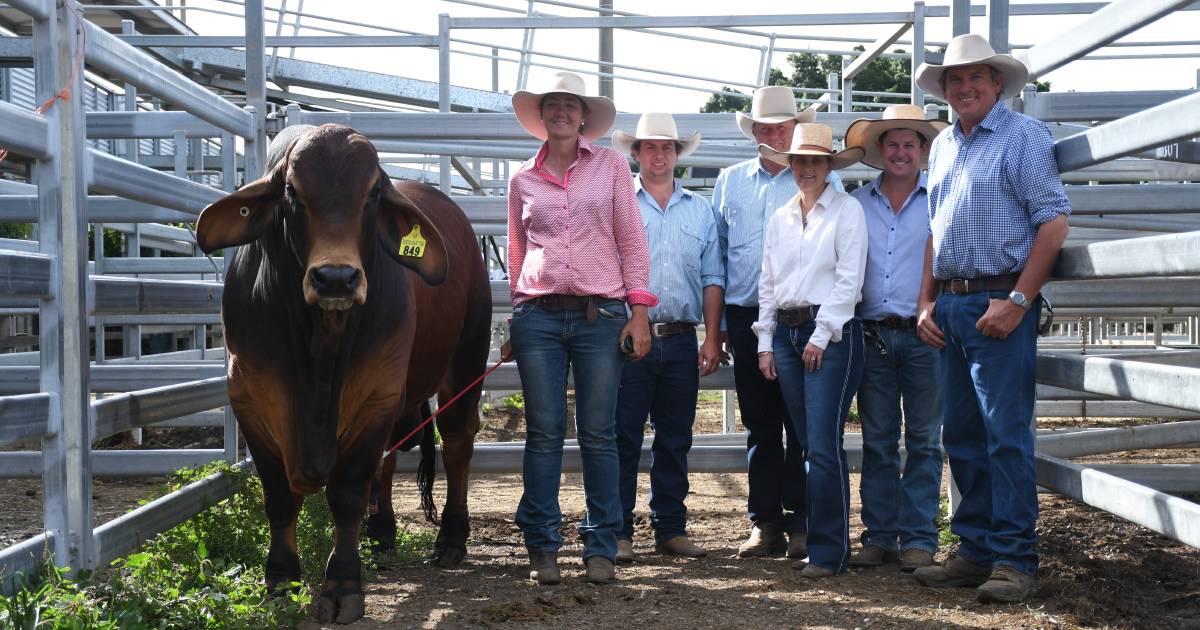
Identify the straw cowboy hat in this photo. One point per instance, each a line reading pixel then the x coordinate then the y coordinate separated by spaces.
pixel 771 106
pixel 968 50
pixel 865 132
pixel 813 139
pixel 655 126
pixel 527 105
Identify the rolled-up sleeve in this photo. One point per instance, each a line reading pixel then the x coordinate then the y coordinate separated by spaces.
pixel 1034 176
pixel 851 247
pixel 516 237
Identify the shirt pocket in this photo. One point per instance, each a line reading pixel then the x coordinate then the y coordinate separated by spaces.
pixel 743 229
pixel 691 245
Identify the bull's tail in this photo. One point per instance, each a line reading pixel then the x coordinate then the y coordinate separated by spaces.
pixel 427 469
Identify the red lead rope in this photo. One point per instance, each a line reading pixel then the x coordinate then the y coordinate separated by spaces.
pixel 442 408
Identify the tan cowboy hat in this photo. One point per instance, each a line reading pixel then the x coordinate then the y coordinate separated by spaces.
pixel 655 126
pixel 865 132
pixel 771 106
pixel 813 139
pixel 527 105
pixel 968 50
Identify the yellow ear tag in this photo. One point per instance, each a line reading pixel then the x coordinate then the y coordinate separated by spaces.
pixel 413 244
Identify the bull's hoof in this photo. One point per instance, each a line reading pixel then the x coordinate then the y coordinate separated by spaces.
pixel 448 557
pixel 341 608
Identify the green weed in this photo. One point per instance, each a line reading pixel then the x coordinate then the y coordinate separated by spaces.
pixel 946 538
pixel 204 573
pixel 515 401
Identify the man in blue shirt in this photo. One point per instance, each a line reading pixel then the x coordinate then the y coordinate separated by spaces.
pixel 998 214
pixel 687 275
pixel 744 197
pixel 897 511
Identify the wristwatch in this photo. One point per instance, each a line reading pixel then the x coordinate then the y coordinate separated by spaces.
pixel 1018 298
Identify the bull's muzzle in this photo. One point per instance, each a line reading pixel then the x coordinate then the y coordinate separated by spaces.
pixel 336 286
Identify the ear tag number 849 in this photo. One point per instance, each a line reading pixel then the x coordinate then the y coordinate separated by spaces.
pixel 414 244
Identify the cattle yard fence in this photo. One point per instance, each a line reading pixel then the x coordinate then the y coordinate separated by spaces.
pixel 1124 290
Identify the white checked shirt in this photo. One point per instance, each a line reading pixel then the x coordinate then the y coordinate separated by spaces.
pixel 819 265
pixel 989 192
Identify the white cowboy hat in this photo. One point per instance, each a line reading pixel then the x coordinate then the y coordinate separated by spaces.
pixel 968 50
pixel 865 132
pixel 655 126
pixel 771 106
pixel 813 139
pixel 527 105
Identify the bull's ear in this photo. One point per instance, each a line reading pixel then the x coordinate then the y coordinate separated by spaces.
pixel 410 237
pixel 241 217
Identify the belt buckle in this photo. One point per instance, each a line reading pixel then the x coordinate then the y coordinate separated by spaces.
pixel 656 329
pixel 960 286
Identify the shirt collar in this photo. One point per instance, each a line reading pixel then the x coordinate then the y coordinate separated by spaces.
pixel 758 168
pixel 824 201
pixel 989 122
pixel 584 147
pixel 680 191
pixel 921 183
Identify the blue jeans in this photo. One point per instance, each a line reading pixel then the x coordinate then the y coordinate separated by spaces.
pixel 988 398
pixel 545 344
pixel 819 403
pixel 775 474
pixel 894 507
pixel 663 386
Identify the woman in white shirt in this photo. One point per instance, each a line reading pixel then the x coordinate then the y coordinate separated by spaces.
pixel 814 257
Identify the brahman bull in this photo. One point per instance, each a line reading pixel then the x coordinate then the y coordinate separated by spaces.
pixel 349 303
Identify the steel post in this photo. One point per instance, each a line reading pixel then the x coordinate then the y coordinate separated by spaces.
pixel 256 87
pixel 918 52
pixel 444 90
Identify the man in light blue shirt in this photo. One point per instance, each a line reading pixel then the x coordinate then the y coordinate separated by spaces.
pixel 688 276
pixel 998 218
pixel 897 511
pixel 744 197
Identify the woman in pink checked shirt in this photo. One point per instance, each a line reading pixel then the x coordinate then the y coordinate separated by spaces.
pixel 576 256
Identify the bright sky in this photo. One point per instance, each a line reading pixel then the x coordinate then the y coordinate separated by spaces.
pixel 722 63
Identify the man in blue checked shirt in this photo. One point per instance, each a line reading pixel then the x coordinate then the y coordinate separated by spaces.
pixel 687 275
pixel 998 215
pixel 898 510
pixel 744 197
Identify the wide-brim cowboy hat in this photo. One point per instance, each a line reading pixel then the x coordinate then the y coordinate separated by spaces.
pixel 813 139
pixel 866 132
pixel 968 50
pixel 655 126
pixel 527 105
pixel 771 106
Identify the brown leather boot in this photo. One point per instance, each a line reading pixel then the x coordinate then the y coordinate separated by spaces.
pixel 1006 585
pixel 811 571
pixel 680 546
pixel 624 551
pixel 797 546
pixel 765 540
pixel 600 570
pixel 543 567
pixel 957 571
pixel 873 556
pixel 913 559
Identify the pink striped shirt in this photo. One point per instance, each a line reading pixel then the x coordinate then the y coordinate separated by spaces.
pixel 581 235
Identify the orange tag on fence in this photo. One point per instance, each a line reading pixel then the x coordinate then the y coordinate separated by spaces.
pixel 414 244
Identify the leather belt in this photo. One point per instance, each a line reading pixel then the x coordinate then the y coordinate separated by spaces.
pixel 562 302
pixel 793 317
pixel 961 286
pixel 896 323
pixel 671 328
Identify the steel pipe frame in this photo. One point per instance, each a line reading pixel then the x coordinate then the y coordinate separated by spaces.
pixel 24 132
pixel 117 58
pixel 1107 24
pixel 1125 292
pixel 1167 385
pixel 1170 516
pixel 128 532
pixel 678 21
pixel 148 406
pixel 24 417
pixel 147 463
pixel 24 274
pixel 130 180
pixel 1152 256
pixel 150 124
pixel 1101 441
pixel 24 557
pixel 100 209
pixel 283 41
pixel 1094 106
pixel 37 9
pixel 1168 478
pixel 1170 122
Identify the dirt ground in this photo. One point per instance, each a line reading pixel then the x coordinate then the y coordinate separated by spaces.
pixel 1096 570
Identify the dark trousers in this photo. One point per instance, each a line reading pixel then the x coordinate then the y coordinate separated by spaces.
pixel 776 473
pixel 663 387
